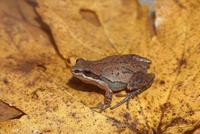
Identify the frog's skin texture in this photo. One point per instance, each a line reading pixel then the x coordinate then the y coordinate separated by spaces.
pixel 115 73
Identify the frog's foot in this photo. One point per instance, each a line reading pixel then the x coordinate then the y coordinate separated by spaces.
pixel 107 101
pixel 104 107
pixel 124 95
pixel 127 98
pixel 101 107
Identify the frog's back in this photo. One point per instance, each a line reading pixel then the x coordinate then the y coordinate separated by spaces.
pixel 137 62
pixel 117 72
pixel 120 65
pixel 129 58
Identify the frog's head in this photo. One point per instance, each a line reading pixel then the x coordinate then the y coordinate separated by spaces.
pixel 80 67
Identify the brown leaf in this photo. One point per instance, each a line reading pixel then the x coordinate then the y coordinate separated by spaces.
pixel 7 112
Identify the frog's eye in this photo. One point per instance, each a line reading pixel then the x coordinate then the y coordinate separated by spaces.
pixel 87 72
pixel 79 60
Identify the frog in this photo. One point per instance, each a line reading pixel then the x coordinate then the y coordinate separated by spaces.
pixel 115 73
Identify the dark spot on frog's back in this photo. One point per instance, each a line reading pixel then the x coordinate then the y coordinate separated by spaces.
pixel 117 74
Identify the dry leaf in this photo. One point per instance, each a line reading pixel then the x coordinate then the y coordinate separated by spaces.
pixel 96 33
pixel 8 112
pixel 40 84
pixel 171 104
pixel 28 64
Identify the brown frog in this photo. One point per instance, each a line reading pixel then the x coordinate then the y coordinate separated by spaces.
pixel 115 73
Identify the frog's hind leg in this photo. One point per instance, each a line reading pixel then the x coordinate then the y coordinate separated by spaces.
pixel 139 82
pixel 127 98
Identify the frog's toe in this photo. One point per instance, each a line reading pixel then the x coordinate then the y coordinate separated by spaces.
pixel 101 107
pixel 127 104
pixel 126 99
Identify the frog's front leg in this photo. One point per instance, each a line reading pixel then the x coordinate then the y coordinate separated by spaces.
pixel 107 98
pixel 139 82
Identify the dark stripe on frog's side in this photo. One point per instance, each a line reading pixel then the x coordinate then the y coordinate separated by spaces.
pixel 90 74
pixel 114 86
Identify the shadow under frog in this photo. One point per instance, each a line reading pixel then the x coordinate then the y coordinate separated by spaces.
pixel 115 73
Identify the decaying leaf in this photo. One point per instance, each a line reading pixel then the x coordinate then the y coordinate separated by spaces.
pixel 40 84
pixel 8 112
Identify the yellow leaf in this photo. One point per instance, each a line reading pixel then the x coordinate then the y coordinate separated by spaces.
pixel 26 53
pixel 171 104
pixel 40 84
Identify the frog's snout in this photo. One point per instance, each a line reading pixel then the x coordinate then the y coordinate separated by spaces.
pixel 74 70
